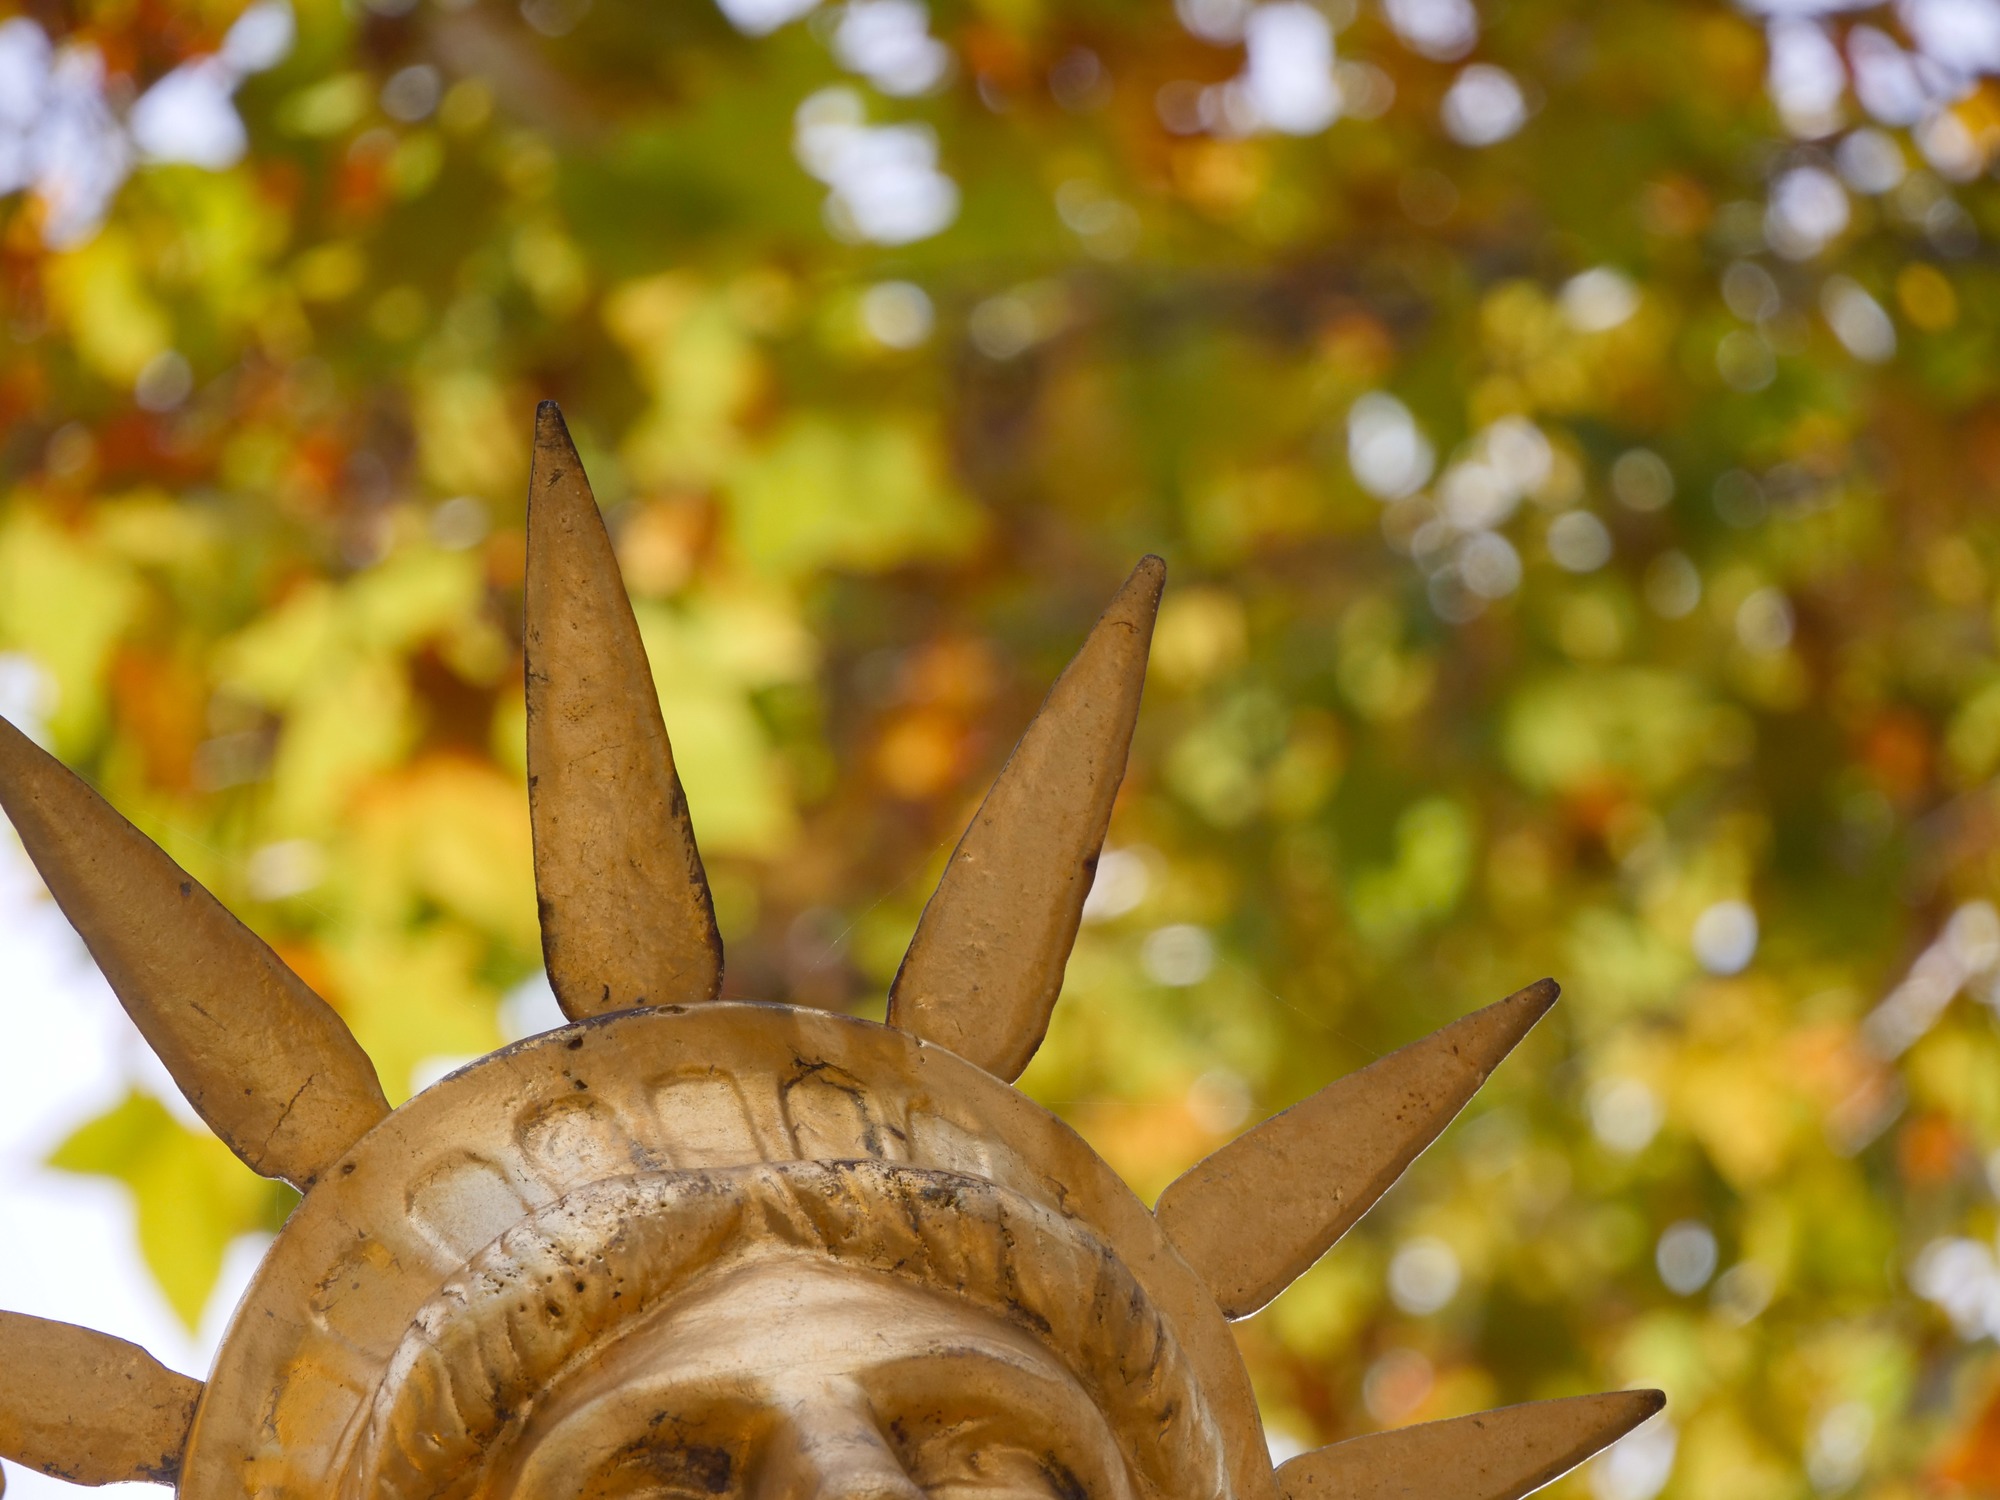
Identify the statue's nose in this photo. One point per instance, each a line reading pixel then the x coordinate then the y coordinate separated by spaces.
pixel 830 1448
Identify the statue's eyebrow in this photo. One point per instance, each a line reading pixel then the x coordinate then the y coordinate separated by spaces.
pixel 1059 1432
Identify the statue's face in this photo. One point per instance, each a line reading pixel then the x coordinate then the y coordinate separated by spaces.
pixel 791 1379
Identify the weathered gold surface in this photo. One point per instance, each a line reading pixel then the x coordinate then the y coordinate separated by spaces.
pixel 730 1250
pixel 1252 1217
pixel 626 916
pixel 986 964
pixel 266 1062
pixel 1495 1455
pixel 692 1090
pixel 87 1407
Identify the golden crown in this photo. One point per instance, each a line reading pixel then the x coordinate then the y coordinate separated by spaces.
pixel 448 1255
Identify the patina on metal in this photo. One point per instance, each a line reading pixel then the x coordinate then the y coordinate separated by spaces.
pixel 687 1247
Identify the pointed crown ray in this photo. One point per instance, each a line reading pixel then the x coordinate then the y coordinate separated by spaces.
pixel 659 1100
pixel 984 968
pixel 626 914
pixel 87 1407
pixel 1306 1176
pixel 1493 1455
pixel 267 1064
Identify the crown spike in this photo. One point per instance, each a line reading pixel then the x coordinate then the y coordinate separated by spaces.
pixel 1494 1455
pixel 983 971
pixel 87 1407
pixel 626 914
pixel 268 1064
pixel 1253 1216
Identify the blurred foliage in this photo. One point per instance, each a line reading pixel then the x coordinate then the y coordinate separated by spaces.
pixel 193 1196
pixel 1695 706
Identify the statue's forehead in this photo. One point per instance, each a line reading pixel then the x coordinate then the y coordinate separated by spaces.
pixel 720 1085
pixel 778 1326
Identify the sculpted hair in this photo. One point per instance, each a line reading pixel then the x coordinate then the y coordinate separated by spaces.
pixel 552 1292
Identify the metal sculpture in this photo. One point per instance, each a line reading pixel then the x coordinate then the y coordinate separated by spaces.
pixel 683 1247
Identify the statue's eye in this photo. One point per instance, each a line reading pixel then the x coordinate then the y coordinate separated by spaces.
pixel 1014 1474
pixel 690 1471
pixel 988 1459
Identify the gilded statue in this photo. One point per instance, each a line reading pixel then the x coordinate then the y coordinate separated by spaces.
pixel 684 1247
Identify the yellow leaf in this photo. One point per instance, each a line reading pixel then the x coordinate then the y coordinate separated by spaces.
pixel 866 496
pixel 66 604
pixel 1634 725
pixel 192 1195
pixel 414 995
pixel 341 729
pixel 97 290
pixel 707 659
pixel 450 834
pixel 274 658
pixel 469 438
